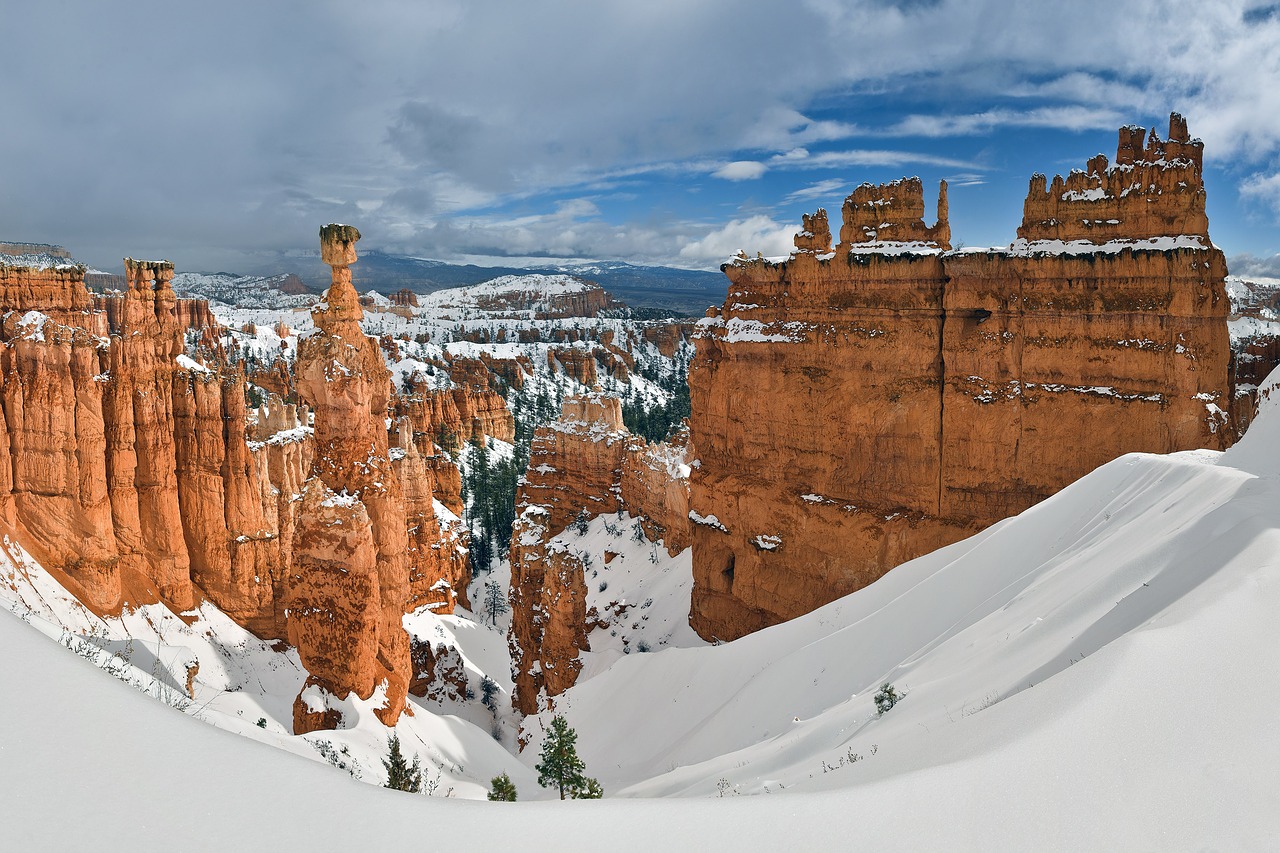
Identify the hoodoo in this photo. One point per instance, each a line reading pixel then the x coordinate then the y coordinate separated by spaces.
pixel 855 408
pixel 350 580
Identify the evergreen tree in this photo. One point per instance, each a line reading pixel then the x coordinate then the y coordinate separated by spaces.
pixel 559 765
pixel 488 690
pixel 592 790
pixel 886 698
pixel 495 602
pixel 401 775
pixel 503 789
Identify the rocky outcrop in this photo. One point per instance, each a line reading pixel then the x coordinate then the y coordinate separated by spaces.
pixel 577 364
pixel 654 487
pixel 53 459
pixel 857 409
pixel 668 336
pixel 127 469
pixel 438 568
pixel 1155 189
pixel 884 213
pixel 584 462
pixel 139 415
pixel 187 313
pixel 350 579
pixel 404 298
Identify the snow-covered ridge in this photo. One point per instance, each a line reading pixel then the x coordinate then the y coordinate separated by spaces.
pixel 1025 248
pixel 242 291
pixel 509 293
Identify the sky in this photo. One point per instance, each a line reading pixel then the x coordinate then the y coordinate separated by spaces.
pixel 223 135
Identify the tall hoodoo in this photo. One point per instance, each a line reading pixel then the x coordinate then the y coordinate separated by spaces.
pixel 1155 189
pixel 141 453
pixel 350 580
pixel 853 411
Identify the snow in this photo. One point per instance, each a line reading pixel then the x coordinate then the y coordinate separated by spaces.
pixel 1099 672
pixel 31 325
pixel 1244 329
pixel 1025 248
pixel 188 363
pixel 1091 194
pixel 895 247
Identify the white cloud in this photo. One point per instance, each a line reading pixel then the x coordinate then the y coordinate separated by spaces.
pixel 755 234
pixel 261 131
pixel 802 158
pixel 1263 189
pixel 822 189
pixel 741 170
pixel 1067 118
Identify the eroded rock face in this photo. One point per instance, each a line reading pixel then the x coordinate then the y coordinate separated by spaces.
pixel 855 411
pixel 126 468
pixel 1153 190
pixel 586 461
pixel 654 486
pixel 350 580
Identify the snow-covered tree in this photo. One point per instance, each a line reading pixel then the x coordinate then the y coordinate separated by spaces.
pixel 495 601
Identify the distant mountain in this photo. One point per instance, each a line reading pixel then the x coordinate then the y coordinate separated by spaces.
pixel 245 291
pixel 686 292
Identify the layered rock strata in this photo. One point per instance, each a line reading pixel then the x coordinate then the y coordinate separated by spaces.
pixel 855 409
pixel 585 462
pixel 350 580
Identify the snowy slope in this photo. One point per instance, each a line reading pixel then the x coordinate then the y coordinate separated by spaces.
pixel 1100 672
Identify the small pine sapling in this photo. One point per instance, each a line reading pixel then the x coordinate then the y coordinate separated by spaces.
pixel 886 698
pixel 502 789
pixel 401 775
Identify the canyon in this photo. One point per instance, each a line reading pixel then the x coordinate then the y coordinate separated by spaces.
pixel 855 407
pixel 585 464
pixel 132 466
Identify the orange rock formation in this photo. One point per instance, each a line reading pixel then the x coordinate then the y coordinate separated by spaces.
pixel 855 410
pixel 350 580
pixel 127 469
pixel 585 461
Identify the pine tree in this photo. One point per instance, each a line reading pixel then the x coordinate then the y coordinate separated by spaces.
pixel 488 690
pixel 591 790
pixel 401 775
pixel 503 789
pixel 886 698
pixel 559 765
pixel 495 602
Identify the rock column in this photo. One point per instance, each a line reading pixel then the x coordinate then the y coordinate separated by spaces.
pixel 350 580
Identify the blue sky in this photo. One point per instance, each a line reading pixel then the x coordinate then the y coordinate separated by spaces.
pixel 223 135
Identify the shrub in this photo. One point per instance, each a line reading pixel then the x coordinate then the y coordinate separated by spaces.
pixel 886 698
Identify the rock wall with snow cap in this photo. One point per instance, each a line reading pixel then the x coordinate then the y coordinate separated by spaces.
pixel 853 410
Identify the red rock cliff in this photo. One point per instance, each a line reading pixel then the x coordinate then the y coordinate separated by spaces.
pixel 585 461
pixel 855 410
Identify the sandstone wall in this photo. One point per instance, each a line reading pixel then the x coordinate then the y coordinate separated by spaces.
pixel 855 409
pixel 585 461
